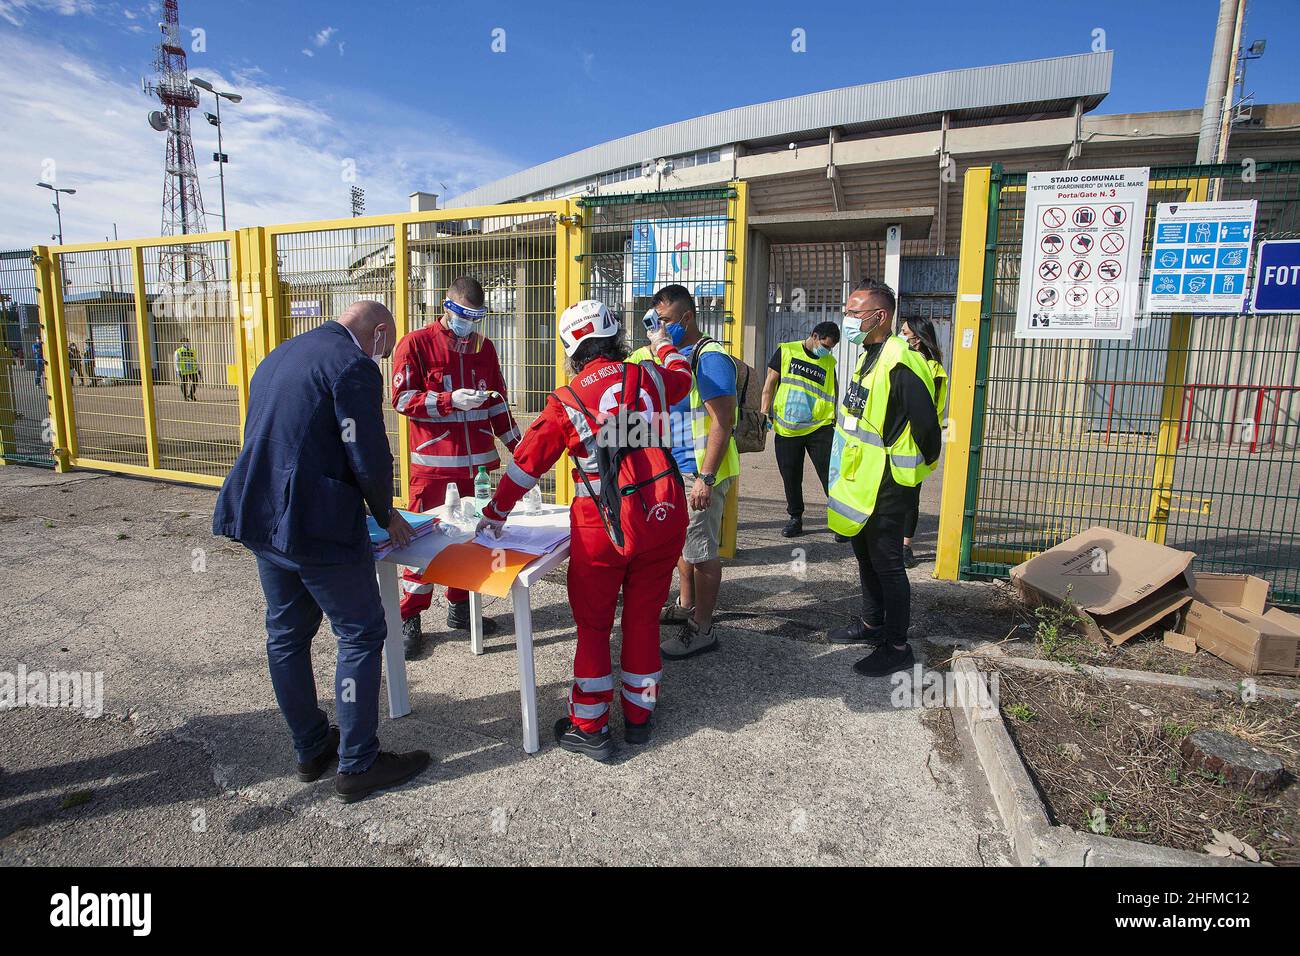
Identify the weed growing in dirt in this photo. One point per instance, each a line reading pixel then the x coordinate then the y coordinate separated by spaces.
pixel 1058 627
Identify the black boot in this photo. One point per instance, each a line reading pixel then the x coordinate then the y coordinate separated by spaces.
pixel 886 659
pixel 855 633
pixel 458 618
pixel 388 770
pixel 311 770
pixel 412 638
pixel 637 733
pixel 793 528
pixel 596 746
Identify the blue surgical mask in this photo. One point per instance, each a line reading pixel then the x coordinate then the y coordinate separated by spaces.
pixel 821 351
pixel 852 332
pixel 676 332
pixel 462 327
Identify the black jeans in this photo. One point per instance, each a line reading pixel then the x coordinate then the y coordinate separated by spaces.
pixel 789 461
pixel 886 592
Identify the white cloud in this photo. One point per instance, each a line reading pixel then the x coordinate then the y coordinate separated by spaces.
pixel 287 155
pixel 323 37
pixel 307 52
pixel 15 10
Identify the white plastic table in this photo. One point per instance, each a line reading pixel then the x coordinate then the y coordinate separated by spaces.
pixel 419 554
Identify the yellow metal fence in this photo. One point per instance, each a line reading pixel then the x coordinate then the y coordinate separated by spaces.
pixel 140 311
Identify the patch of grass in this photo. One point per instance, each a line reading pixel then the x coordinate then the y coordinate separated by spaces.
pixel 76 799
pixel 1176 731
pixel 1021 713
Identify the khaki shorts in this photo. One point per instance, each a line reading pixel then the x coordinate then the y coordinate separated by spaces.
pixel 705 528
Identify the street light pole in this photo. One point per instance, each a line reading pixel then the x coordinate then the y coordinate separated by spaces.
pixel 58 210
pixel 219 95
pixel 221 166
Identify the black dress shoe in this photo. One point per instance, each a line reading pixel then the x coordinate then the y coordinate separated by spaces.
pixel 793 528
pixel 886 659
pixel 311 770
pixel 840 538
pixel 598 747
pixel 856 633
pixel 412 637
pixel 458 618
pixel 388 770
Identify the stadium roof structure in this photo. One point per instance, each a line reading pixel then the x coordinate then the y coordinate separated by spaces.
pixel 987 94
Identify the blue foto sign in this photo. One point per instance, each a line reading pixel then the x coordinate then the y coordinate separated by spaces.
pixel 1277 276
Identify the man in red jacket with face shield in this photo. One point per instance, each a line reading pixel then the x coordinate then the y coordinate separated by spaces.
pixel 447 381
pixel 628 520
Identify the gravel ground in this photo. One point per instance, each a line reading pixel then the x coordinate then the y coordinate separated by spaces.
pixel 771 751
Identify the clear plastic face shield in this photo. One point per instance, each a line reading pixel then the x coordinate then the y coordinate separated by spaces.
pixel 462 318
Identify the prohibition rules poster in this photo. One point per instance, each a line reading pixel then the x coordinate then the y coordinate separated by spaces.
pixel 1081 258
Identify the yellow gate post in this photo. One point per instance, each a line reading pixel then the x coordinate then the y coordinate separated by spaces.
pixel 144 355
pixel 49 297
pixel 734 308
pixel 402 316
pixel 961 381
pixel 568 289
pixel 1171 406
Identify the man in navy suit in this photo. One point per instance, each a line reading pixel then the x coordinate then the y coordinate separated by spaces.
pixel 314 452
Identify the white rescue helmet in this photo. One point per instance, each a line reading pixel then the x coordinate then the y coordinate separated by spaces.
pixel 585 320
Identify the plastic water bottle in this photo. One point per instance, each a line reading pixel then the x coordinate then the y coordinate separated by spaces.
pixel 452 500
pixel 532 502
pixel 482 486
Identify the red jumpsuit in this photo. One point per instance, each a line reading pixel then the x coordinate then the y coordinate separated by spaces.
pixel 654 526
pixel 447 444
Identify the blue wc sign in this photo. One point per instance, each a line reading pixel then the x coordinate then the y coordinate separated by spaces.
pixel 1277 276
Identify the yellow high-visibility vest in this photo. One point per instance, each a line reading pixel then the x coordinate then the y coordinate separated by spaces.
pixel 805 394
pixel 187 363
pixel 859 455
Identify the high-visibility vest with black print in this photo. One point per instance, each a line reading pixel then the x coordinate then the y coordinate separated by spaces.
pixel 859 455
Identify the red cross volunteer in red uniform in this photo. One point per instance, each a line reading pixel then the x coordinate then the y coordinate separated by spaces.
pixel 447 381
pixel 628 519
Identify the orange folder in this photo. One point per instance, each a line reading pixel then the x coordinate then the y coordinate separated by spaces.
pixel 473 567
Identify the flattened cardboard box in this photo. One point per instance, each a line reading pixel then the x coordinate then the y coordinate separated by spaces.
pixel 1121 584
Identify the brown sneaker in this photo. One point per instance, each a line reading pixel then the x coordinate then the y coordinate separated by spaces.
pixel 675 614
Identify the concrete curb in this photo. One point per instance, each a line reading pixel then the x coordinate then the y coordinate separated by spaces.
pixel 1134 677
pixel 1035 841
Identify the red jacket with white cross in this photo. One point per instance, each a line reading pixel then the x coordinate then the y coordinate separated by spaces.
pixel 447 442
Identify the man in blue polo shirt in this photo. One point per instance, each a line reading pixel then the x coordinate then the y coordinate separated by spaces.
pixel 705 451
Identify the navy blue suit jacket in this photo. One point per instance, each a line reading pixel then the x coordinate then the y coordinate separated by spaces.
pixel 314 451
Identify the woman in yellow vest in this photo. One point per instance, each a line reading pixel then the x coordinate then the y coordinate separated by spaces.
pixel 799 402
pixel 887 439
pixel 920 335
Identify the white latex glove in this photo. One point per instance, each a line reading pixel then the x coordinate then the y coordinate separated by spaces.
pixel 467 399
pixel 490 525
pixel 658 338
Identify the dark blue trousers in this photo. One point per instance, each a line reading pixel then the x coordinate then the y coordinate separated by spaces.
pixel 297 595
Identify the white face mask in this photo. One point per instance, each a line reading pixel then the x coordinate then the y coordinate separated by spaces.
pixel 462 327
pixel 378 346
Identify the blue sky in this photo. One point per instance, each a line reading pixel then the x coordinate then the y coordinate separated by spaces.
pixel 412 95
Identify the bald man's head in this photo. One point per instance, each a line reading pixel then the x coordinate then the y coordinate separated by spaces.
pixel 373 325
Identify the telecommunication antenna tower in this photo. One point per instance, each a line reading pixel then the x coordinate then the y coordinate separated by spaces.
pixel 182 206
